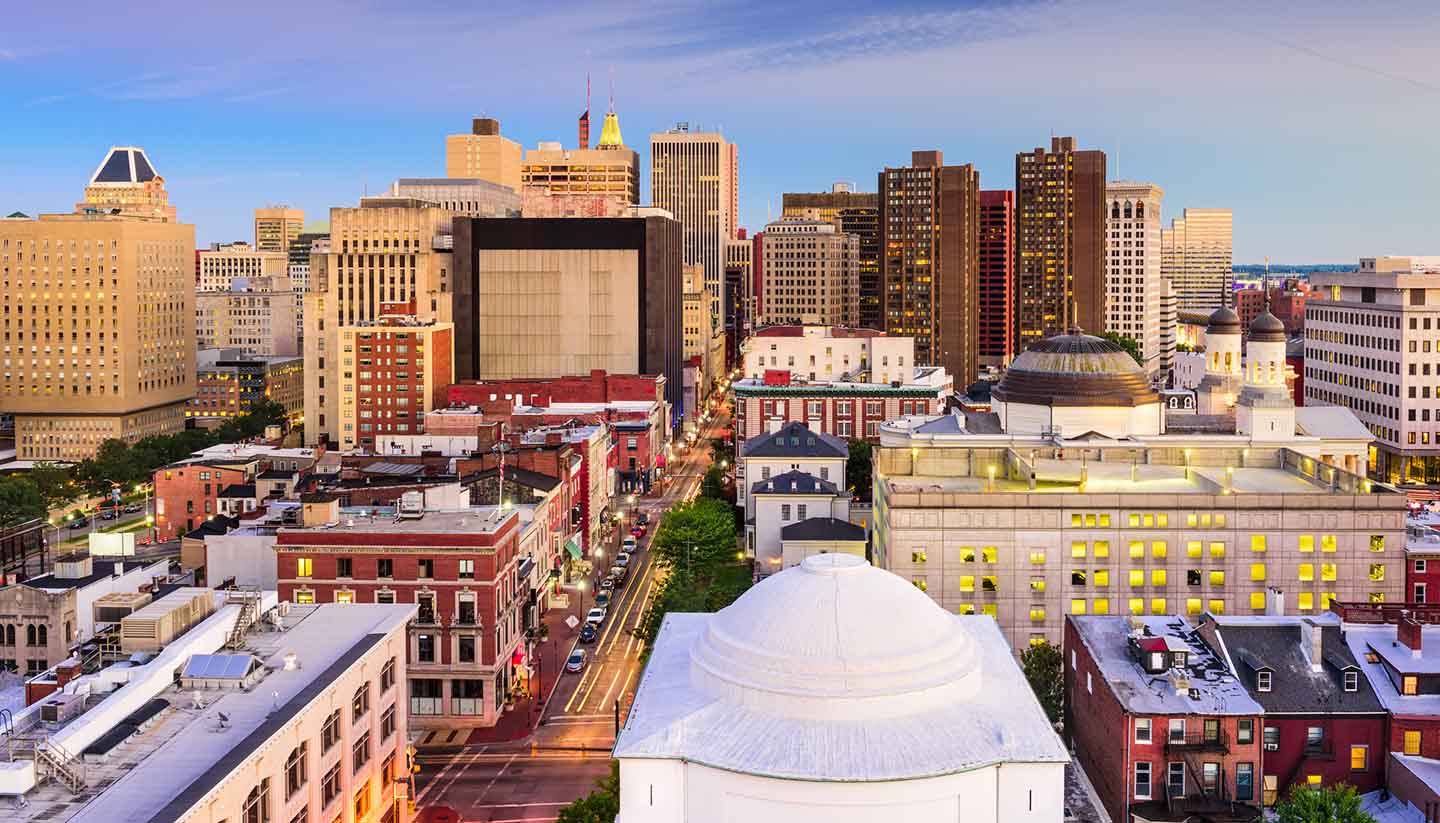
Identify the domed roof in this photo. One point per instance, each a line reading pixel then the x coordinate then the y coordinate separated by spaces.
pixel 1075 369
pixel 809 636
pixel 1223 320
pixel 1268 328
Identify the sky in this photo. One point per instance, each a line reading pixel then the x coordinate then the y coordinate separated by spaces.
pixel 1315 122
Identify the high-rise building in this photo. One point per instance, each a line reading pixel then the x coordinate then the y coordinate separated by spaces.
pixel 609 170
pixel 256 315
pixel 930 234
pixel 856 213
pixel 483 154
pixel 413 367
pixel 695 176
pixel 812 274
pixel 276 227
pixel 1169 326
pixel 997 278
pixel 1132 270
pixel 1059 241
pixel 125 183
pixel 548 297
pixel 223 262
pixel 1196 258
pixel 739 292
pixel 101 342
pixel 353 278
pixel 298 259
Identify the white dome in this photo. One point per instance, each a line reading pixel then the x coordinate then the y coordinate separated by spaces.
pixel 835 635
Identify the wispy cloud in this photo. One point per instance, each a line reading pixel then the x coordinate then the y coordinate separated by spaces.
pixel 7 54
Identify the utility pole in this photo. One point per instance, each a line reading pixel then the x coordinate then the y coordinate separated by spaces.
pixel 617 718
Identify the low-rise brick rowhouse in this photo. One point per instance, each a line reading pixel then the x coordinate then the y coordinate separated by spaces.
pixel 1161 733
pixel 1397 647
pixel 464 570
pixel 1422 557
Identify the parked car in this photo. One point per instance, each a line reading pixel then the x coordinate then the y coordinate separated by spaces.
pixel 630 544
pixel 588 633
pixel 619 573
pixel 77 523
pixel 134 508
pixel 607 584
pixel 603 599
pixel 622 559
pixel 108 514
pixel 637 531
pixel 643 518
pixel 576 661
pixel 596 616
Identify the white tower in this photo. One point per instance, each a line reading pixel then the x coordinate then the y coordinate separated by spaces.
pixel 1218 389
pixel 1265 408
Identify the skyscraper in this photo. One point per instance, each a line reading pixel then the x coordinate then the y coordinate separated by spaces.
pixel 811 274
pixel 277 227
pixel 997 277
pixel 695 177
pixel 1132 273
pixel 856 213
pixel 611 168
pixel 483 154
pixel 930 237
pixel 125 183
pixel 1059 241
pixel 1196 258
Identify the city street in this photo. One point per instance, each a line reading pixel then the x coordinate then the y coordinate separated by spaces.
pixel 529 780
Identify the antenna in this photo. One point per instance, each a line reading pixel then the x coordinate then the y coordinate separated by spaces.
pixel 612 87
pixel 587 91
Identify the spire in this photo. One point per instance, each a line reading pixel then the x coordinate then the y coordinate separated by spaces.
pixel 610 130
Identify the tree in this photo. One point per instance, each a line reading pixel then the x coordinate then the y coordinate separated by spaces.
pixel 20 500
pixel 599 806
pixel 1322 804
pixel 859 469
pixel 696 535
pixel 1043 666
pixel 1126 343
pixel 712 487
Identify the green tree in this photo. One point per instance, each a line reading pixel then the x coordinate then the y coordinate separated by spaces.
pixel 1323 804
pixel 712 486
pixel 697 535
pixel 722 451
pixel 1126 343
pixel 859 468
pixel 599 806
pixel 20 500
pixel 54 482
pixel 1043 667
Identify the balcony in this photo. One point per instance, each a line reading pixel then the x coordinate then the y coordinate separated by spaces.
pixel 1199 741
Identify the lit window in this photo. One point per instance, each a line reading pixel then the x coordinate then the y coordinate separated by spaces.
pixel 1412 742
pixel 1075 521
pixel 1216 606
pixel 1137 549
pixel 1102 605
pixel 966 608
pixel 989 554
pixel 1307 601
pixel 1307 542
pixel 1257 542
pixel 1327 572
pixel 1217 578
pixel 1158 548
pixel 1037 558
pixel 1193 606
pixel 1134 520
pixel 1102 577
pixel 1077 606
pixel 1137 577
pixel 967 582
pixel 967 554
pixel 1377 572
pixel 1313 780
pixel 921 583
pixel 1192 548
pixel 1104 521
pixel 1410 685
pixel 1307 572
pixel 1377 542
pixel 1089 521
pixel 1102 548
pixel 1037 614
pixel 304 567
pixel 1257 572
pixel 1159 606
pixel 1217 549
pixel 1162 520
pixel 1192 520
pixel 1257 601
pixel 917 557
pixel 1327 543
pixel 1037 584
pixel 1077 550
pixel 1137 605
pixel 304 597
pixel 1157 577
pixel 990 583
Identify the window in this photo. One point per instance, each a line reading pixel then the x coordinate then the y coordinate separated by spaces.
pixel 387 723
pixel 361 704
pixel 1271 736
pixel 1175 779
pixel 362 801
pixel 1177 730
pixel 302 816
pixel 1142 730
pixel 387 675
pixel 1245 731
pixel 330 786
pixel 426 601
pixel 425 648
pixel 425 568
pixel 1352 681
pixel 467 649
pixel 360 752
pixel 1262 681
pixel 467 569
pixel 304 567
pixel 1257 542
pixel 343 567
pixel 1314 737
pixel 917 556
pixel 1257 572
pixel 330 734
pixel 257 804
pixel 385 567
pixel 1244 781
pixel 1142 781
pixel 1412 742
pixel 1210 774
pixel 1409 685
pixel 296 768
pixel 1359 758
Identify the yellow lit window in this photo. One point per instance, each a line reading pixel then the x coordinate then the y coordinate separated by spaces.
pixel 1412 742
pixel 1077 549
pixel 1038 640
pixel 1377 572
pixel 1312 779
pixel 1162 520
pixel 1377 597
pixel 1137 605
pixel 1257 600
pixel 1134 519
pixel 1327 543
pixel 1102 548
pixel 1377 542
pixel 989 610
pixel 304 567
pixel 1148 520
pixel 1193 606
pixel 1257 572
pixel 1159 606
pixel 1137 549
pixel 917 557
pixel 1327 572
pixel 1409 684
pixel 1037 614
pixel 1157 577
pixel 1307 601
pixel 1257 542
pixel 967 582
pixel 1307 542
pixel 1102 605
pixel 1037 558
pixel 1077 606
pixel 1217 606
pixel 1102 577
pixel 966 608
pixel 1192 520
pixel 305 598
pixel 1089 521
pixel 1217 549
pixel 967 554
pixel 1037 584
pixel 1137 577
pixel 922 584
pixel 1307 572
pixel 1217 577
pixel 1205 520
pixel 1220 520
pixel 1326 598
pixel 1104 521
pixel 989 583
pixel 989 554
pixel 344 597
pixel 1192 548
pixel 1075 521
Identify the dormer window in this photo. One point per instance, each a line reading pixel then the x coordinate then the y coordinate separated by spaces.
pixel 1410 684
pixel 1157 662
pixel 1262 681
pixel 1352 681
pixel 1177 659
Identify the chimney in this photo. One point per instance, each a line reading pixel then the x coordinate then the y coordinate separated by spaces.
pixel 1408 632
pixel 1313 636
pixel 1274 602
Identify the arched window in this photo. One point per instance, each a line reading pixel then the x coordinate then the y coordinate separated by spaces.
pixel 44 636
pixel 1115 210
pixel 1129 212
pixel 296 769
pixel 257 804
pixel 1140 209
pixel 29 634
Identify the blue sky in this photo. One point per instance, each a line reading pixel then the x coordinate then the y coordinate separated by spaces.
pixel 1315 122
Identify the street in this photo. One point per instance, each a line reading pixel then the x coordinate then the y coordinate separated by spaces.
pixel 531 779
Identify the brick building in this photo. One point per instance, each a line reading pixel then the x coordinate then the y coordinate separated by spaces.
pixel 1159 739
pixel 229 382
pixel 1287 302
pixel 1397 647
pixel 997 276
pixel 463 570
pixel 188 491
pixel 394 371
pixel 851 410
pixel 1422 557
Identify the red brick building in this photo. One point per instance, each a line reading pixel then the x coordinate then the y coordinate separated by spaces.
pixel 996 331
pixel 188 492
pixel 1422 557
pixel 1287 302
pixel 393 371
pixel 1157 738
pixel 853 411
pixel 463 568
pixel 1398 649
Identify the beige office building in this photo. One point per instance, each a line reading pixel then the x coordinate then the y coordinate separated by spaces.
pixel 695 176
pixel 1132 271
pixel 223 262
pixel 740 267
pixel 1195 257
pixel 810 274
pixel 610 169
pixel 276 227
pixel 126 183
pixel 484 154
pixel 388 251
pixel 257 315
pixel 99 330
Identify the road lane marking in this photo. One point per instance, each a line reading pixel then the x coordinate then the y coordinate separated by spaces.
pixel 583 675
pixel 491 784
pixel 613 683
pixel 599 672
pixel 432 784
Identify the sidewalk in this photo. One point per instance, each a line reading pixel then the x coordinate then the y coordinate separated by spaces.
pixel 518 722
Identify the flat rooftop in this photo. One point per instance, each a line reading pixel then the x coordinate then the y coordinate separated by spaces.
pixel 1063 477
pixel 473 520
pixel 1381 639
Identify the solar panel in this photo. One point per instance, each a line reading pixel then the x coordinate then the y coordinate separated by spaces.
pixel 218 666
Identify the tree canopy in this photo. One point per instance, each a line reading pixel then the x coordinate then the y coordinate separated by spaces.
pixel 1043 666
pixel 599 806
pixel 1126 343
pixel 1322 804
pixel 859 469
pixel 20 500
pixel 704 571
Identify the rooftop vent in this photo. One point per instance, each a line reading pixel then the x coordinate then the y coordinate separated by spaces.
pixel 221 671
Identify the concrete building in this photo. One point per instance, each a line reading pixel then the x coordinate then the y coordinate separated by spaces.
pixel 784 736
pixel 129 374
pixel 1059 241
pixel 350 281
pixel 1133 285
pixel 1195 257
pixel 811 274
pixel 696 177
pixel 1370 346
pixel 403 368
pixel 547 297
pixel 996 335
pixel 222 263
pixel 256 314
pixel 611 169
pixel 1169 326
pixel 825 354
pixel 276 227
pixel 483 154
pixel 229 381
pixel 856 213
pixel 125 183
pixel 696 331
pixel 930 237
pixel 464 197
pixel 1079 494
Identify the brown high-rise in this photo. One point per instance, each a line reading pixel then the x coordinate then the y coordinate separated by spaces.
pixel 929 241
pixel 856 213
pixel 1059 241
pixel 997 277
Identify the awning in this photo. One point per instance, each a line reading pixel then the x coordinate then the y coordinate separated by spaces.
pixel 572 547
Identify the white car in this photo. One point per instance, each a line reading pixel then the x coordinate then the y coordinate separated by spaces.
pixel 622 559
pixel 630 544
pixel 596 616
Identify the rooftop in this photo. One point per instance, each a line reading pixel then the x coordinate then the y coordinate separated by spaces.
pixel 823 528
pixel 1283 646
pixel 793 482
pixel 470 521
pixel 795 439
pixel 927 379
pixel 1381 640
pixel 124 165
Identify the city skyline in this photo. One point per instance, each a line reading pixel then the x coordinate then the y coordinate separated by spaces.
pixel 295 120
